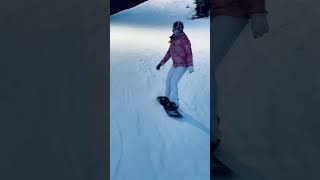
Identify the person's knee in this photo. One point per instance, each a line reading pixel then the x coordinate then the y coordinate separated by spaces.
pixel 168 79
pixel 168 82
pixel 174 83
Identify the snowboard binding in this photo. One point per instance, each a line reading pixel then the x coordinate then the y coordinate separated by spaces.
pixel 170 107
pixel 163 100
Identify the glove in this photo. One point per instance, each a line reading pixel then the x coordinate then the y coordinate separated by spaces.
pixel 158 66
pixel 259 25
pixel 190 69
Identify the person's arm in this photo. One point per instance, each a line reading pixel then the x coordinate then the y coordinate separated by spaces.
pixel 166 57
pixel 187 47
pixel 188 50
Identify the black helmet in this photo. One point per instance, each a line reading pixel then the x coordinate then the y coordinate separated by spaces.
pixel 178 25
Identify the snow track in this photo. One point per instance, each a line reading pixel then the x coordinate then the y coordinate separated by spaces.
pixel 146 144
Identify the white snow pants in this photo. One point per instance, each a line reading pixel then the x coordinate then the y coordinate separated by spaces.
pixel 173 77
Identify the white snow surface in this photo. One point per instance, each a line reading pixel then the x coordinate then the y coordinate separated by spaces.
pixel 146 144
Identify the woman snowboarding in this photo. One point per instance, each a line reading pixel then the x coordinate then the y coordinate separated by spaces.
pixel 181 54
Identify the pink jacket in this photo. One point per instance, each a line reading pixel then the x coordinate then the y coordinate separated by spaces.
pixel 180 52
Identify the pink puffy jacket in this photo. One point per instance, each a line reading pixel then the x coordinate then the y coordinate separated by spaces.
pixel 180 52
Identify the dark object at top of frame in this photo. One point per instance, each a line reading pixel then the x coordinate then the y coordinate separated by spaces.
pixel 119 5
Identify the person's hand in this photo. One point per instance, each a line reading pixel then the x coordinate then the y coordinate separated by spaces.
pixel 158 66
pixel 190 69
pixel 259 25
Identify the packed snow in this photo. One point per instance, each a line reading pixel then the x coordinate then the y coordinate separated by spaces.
pixel 146 144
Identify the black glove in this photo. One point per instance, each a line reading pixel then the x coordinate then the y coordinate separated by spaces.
pixel 158 66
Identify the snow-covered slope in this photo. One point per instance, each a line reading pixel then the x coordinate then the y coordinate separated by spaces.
pixel 146 144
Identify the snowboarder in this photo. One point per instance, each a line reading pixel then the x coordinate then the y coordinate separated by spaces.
pixel 181 53
pixel 230 17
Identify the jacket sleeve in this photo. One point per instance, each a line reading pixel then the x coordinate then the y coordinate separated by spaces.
pixel 187 47
pixel 166 57
pixel 257 6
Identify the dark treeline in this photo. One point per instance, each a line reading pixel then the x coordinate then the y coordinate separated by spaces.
pixel 202 6
pixel 119 5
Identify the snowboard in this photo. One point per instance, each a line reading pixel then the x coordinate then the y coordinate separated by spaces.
pixel 174 113
pixel 218 168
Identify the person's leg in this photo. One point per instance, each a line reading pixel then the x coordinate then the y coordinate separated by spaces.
pixel 176 76
pixel 224 31
pixel 168 79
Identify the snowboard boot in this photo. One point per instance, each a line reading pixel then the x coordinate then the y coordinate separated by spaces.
pixel 171 106
pixel 164 100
